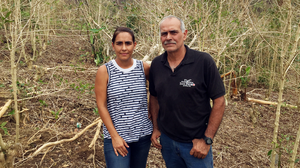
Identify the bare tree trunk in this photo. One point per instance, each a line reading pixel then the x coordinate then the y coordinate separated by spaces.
pixel 14 36
pixel 283 72
pixel 272 74
pixel 293 158
pixel 217 34
pixel 276 125
pixel 298 103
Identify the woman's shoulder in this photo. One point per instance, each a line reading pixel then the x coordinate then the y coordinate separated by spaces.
pixel 102 69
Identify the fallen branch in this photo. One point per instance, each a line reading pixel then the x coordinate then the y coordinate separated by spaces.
pixel 270 103
pixel 42 95
pixel 68 68
pixel 8 115
pixel 96 134
pixel 44 156
pixel 5 107
pixel 43 129
pixel 65 140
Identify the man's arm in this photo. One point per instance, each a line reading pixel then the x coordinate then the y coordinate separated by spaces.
pixel 154 108
pixel 200 148
pixel 216 116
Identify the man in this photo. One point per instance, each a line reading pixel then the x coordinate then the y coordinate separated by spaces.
pixel 182 82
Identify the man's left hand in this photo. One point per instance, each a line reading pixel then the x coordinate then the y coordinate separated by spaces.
pixel 200 148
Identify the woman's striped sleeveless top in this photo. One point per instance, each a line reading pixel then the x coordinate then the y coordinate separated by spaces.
pixel 127 101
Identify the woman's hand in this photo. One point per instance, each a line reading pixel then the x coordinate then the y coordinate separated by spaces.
pixel 120 146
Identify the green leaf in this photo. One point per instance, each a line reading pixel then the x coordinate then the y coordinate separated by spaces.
pixel 8 21
pixel 7 14
pixel 97 30
pixel 5 131
pixel 269 153
pixel 12 112
pixel 92 39
pixel 248 70
pixel 297 160
pixel 95 110
pixel 3 124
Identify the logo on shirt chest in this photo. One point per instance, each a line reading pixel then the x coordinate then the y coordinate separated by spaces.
pixel 187 83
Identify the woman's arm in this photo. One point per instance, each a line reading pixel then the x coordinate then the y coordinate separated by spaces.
pixel 146 70
pixel 101 95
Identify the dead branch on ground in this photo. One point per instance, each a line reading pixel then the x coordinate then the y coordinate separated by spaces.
pixel 5 107
pixel 97 121
pixel 270 103
pixel 96 134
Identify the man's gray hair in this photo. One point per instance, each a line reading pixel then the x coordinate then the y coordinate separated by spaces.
pixel 182 27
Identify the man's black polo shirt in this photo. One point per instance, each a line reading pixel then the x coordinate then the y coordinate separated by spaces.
pixel 184 95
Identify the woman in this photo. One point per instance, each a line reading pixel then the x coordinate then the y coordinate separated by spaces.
pixel 121 96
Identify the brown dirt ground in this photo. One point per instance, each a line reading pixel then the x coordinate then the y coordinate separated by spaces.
pixel 68 84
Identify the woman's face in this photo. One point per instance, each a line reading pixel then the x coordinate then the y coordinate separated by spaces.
pixel 123 46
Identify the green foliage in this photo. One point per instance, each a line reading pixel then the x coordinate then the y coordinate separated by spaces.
pixel 245 79
pixel 2 126
pixel 12 112
pixel 285 145
pixel 132 21
pixel 23 89
pixel 43 103
pixel 5 19
pixel 97 46
pixel 40 81
pixel 95 110
pixel 263 78
pixel 56 113
pixel 297 59
pixel 83 56
pixel 86 88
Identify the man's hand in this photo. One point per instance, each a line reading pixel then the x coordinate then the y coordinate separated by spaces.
pixel 200 148
pixel 120 146
pixel 155 135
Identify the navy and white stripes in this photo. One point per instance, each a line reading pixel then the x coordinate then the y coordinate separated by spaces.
pixel 127 101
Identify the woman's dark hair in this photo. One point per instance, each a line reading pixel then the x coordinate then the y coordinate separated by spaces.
pixel 120 30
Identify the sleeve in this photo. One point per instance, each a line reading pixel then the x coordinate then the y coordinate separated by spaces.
pixel 151 81
pixel 215 84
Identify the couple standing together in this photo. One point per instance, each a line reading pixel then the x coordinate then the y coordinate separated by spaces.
pixel 181 82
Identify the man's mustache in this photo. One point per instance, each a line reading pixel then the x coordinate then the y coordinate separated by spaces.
pixel 169 42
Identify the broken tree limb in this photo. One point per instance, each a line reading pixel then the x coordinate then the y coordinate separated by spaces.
pixel 66 140
pixel 96 134
pixel 5 107
pixel 7 115
pixel 270 103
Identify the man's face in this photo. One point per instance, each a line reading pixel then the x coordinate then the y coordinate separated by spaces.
pixel 171 35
